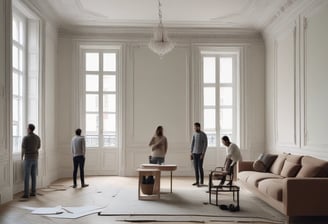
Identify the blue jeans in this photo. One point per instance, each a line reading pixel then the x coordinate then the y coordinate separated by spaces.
pixel 30 169
pixel 78 162
pixel 198 165
pixel 156 160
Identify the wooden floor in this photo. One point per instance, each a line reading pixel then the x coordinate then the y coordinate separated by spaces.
pixel 61 193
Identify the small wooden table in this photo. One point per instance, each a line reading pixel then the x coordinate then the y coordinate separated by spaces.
pixel 163 167
pixel 156 189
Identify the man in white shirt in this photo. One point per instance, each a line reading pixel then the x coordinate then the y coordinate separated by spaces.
pixel 78 152
pixel 233 156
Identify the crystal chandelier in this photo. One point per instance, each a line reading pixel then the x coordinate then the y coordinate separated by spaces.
pixel 160 43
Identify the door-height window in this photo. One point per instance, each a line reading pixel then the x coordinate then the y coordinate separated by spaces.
pixel 219 81
pixel 100 78
pixel 18 78
pixel 25 75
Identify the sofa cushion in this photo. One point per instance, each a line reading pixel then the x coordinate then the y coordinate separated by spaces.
pixel 264 162
pixel 308 171
pixel 313 167
pixel 244 175
pixel 253 177
pixel 278 164
pixel 259 166
pixel 272 187
pixel 294 158
pixel 290 169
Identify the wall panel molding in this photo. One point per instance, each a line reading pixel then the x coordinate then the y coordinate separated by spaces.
pixel 286 85
pixel 315 79
pixel 158 93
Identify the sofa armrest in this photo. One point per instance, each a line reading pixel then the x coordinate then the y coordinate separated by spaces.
pixel 305 196
pixel 245 166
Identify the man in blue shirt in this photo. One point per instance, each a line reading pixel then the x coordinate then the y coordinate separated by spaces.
pixel 198 149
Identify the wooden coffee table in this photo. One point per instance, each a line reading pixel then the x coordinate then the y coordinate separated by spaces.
pixel 164 167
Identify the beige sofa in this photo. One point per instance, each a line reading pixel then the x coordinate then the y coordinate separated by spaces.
pixel 294 185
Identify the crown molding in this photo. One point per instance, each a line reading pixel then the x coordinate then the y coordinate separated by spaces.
pixel 288 14
pixel 139 33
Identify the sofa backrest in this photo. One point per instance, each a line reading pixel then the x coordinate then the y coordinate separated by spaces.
pixel 313 167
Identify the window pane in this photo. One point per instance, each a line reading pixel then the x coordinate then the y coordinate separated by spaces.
pixel 209 69
pixel 21 36
pixel 109 102
pixel 91 103
pixel 92 140
pixel 226 96
pixel 209 96
pixel 17 142
pixel 15 84
pixel 225 70
pixel 15 57
pixel 109 62
pixel 109 83
pixel 15 29
pixel 20 60
pixel 92 62
pixel 211 138
pixel 109 122
pixel 91 83
pixel 92 124
pixel 209 119
pixel 16 109
pixel 226 119
pixel 109 139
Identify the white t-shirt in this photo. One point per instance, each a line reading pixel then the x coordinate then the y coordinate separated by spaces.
pixel 233 153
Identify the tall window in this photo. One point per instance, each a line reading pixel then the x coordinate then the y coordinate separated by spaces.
pixel 100 73
pixel 219 97
pixel 25 76
pixel 19 71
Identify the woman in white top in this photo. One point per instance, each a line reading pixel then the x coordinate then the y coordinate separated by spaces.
pixel 158 144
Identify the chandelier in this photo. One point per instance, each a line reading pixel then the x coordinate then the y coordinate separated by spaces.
pixel 160 43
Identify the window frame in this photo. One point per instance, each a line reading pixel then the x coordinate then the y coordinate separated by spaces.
pixel 101 50
pixel 31 74
pixel 222 53
pixel 22 83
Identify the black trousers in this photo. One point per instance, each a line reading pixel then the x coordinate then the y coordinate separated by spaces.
pixel 78 162
pixel 198 165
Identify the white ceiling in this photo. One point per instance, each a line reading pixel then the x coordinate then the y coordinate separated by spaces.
pixel 253 14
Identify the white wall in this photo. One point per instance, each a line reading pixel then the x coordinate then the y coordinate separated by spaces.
pixel 160 92
pixel 50 158
pixel 296 80
pixel 6 186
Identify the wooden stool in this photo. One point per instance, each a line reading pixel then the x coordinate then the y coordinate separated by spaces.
pixel 156 187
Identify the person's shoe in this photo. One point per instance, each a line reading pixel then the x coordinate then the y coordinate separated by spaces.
pixel 74 186
pixel 32 194
pixel 194 184
pixel 85 185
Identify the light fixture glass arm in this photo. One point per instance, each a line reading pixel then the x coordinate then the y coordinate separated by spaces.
pixel 160 43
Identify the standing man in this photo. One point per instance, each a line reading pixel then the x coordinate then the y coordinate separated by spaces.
pixel 198 149
pixel 30 152
pixel 78 152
